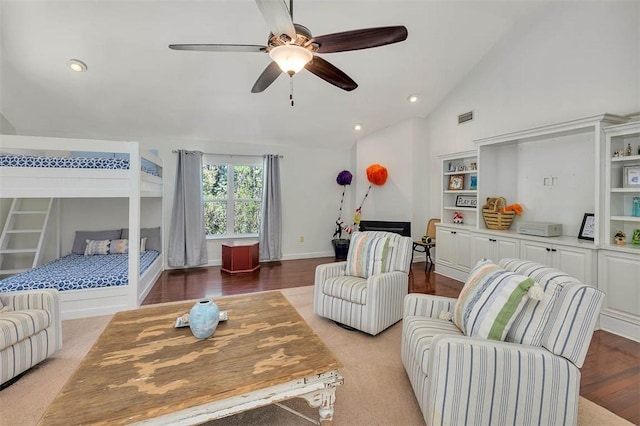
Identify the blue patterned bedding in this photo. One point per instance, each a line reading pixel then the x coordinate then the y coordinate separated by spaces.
pixel 73 163
pixel 78 272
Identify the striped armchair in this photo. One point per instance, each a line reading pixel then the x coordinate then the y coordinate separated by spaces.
pixel 30 330
pixel 367 291
pixel 532 377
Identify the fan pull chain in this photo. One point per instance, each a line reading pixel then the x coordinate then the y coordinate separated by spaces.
pixel 291 90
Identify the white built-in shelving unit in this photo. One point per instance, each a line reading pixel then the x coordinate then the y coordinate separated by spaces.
pixel 619 264
pixel 558 173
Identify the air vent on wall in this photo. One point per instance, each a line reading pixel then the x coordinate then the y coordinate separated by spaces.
pixel 467 116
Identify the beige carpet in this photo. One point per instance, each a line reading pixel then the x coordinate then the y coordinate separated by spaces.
pixel 376 389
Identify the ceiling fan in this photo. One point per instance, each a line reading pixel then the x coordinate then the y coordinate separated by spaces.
pixel 292 46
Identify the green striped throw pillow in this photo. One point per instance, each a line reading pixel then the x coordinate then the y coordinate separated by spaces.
pixel 490 300
pixel 367 255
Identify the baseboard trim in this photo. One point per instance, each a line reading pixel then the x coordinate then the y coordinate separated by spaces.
pixel 612 324
pixel 450 272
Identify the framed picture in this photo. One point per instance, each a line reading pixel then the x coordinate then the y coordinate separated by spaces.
pixel 631 176
pixel 466 201
pixel 588 228
pixel 473 182
pixel 456 182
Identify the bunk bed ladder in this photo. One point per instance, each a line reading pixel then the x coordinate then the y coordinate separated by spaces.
pixel 23 235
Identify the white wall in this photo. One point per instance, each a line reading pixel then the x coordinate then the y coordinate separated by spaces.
pixel 574 60
pixel 6 128
pixel 310 194
pixel 401 150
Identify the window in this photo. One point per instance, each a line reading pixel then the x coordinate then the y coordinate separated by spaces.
pixel 232 192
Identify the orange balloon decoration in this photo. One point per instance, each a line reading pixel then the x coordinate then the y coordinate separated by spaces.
pixel 377 174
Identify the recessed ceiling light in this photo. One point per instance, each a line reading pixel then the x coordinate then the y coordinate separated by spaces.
pixel 77 65
pixel 413 99
pixel 357 127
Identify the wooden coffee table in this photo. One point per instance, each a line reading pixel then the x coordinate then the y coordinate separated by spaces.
pixel 143 370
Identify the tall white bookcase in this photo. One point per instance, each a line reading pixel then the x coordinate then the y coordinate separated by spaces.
pixel 619 264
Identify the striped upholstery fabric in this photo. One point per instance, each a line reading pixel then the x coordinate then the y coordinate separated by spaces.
pixel 370 305
pixel 19 325
pixel 572 321
pixel 368 255
pixel 30 310
pixel 346 287
pixel 427 305
pixel 564 323
pixel 528 327
pixel 482 382
pixel 419 332
pixel 465 380
pixel 399 256
pixel 490 300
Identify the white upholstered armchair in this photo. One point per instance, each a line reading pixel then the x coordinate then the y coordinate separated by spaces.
pixel 367 291
pixel 532 377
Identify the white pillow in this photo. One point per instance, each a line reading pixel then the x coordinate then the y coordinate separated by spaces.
pixel 97 247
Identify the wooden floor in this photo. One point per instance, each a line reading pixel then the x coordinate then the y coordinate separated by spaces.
pixel 610 375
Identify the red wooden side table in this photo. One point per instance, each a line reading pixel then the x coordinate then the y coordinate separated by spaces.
pixel 240 256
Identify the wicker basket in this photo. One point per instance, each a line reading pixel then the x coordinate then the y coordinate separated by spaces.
pixel 493 217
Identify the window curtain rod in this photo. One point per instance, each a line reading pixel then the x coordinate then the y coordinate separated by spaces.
pixel 175 151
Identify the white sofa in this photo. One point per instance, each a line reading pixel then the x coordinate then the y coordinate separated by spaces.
pixel 460 380
pixel 30 330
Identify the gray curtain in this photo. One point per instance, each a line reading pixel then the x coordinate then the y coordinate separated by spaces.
pixel 187 240
pixel 271 217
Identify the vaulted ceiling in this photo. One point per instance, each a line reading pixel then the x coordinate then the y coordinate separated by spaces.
pixel 135 87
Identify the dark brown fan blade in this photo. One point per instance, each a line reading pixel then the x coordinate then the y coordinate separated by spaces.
pixel 360 39
pixel 330 74
pixel 276 14
pixel 219 47
pixel 268 76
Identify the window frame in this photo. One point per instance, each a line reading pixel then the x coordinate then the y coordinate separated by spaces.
pixel 231 162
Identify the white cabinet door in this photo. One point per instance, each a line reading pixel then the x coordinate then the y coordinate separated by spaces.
pixel 536 252
pixel 578 262
pixel 483 248
pixel 453 248
pixel 507 247
pixel 493 248
pixel 462 255
pixel 444 246
pixel 619 278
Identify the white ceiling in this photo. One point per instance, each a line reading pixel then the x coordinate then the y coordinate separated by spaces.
pixel 138 88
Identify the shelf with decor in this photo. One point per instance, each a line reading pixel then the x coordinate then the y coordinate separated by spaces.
pixel 622 186
pixel 459 187
pixel 619 262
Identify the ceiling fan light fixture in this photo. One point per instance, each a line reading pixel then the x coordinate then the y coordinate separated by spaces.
pixel 77 65
pixel 290 58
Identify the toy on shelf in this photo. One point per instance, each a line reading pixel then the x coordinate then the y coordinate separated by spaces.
pixel 620 237
pixel 458 218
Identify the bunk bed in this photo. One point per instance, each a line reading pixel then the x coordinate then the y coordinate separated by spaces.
pixel 45 167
